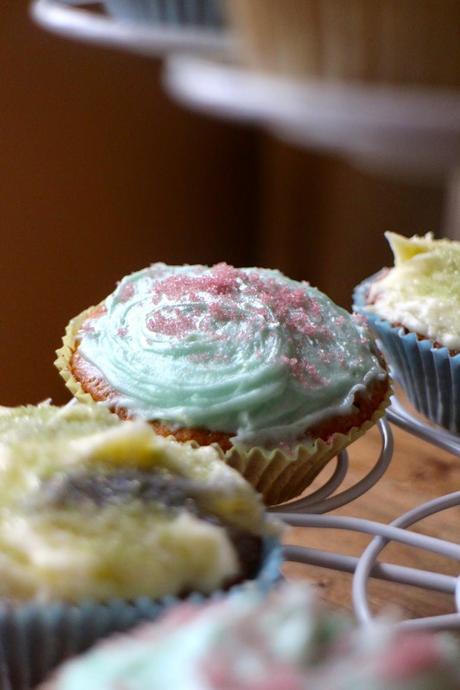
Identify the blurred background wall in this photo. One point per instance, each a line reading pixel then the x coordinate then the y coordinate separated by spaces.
pixel 102 174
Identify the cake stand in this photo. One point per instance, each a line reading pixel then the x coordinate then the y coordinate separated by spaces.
pixel 72 19
pixel 404 132
pixel 415 133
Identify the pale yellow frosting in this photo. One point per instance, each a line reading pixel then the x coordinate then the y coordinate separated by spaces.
pixel 422 291
pixel 126 549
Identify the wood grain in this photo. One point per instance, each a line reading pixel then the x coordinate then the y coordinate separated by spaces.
pixel 418 473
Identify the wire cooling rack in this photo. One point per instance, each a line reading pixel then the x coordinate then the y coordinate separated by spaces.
pixel 323 500
pixel 368 125
pixel 305 513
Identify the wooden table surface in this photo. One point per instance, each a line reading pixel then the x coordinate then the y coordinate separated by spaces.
pixel 418 473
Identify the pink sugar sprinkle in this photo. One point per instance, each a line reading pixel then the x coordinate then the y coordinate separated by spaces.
pixel 223 312
pixel 222 674
pixel 122 332
pixel 313 374
pixel 126 292
pixel 88 327
pixel 221 279
pixel 298 299
pixel 272 302
pixel 360 320
pixel 305 373
pixel 176 323
pixel 289 361
pixel 341 359
pixel 200 357
pixel 183 614
pixel 285 678
pixel 409 655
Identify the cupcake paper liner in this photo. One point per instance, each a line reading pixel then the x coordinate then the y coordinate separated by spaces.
pixel 64 355
pixel 202 14
pixel 430 376
pixel 35 637
pixel 280 476
pixel 277 475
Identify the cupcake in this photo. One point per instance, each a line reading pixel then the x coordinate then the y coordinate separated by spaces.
pixel 414 309
pixel 267 370
pixel 101 519
pixel 413 42
pixel 289 642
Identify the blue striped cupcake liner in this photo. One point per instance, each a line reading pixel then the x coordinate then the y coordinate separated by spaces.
pixel 36 637
pixel 430 376
pixel 199 14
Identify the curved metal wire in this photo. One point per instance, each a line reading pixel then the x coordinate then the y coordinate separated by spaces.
pixel 371 553
pixel 324 491
pixel 322 501
pixel 390 572
pixel 397 414
pixel 367 566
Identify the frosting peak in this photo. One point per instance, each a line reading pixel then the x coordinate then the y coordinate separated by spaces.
pixel 243 351
pixel 422 291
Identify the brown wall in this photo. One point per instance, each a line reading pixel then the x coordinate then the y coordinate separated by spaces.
pixel 101 174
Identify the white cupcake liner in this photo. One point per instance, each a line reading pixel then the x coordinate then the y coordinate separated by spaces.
pixel 35 638
pixel 429 375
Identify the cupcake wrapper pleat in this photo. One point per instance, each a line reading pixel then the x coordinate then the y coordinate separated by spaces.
pixel 280 476
pixel 430 376
pixel 35 638
pixel 199 14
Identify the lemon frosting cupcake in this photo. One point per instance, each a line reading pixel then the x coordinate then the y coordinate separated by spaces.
pixel 267 369
pixel 289 641
pixel 93 507
pixel 414 308
pixel 104 523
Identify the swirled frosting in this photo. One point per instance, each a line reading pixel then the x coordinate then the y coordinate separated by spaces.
pixel 245 643
pixel 95 507
pixel 243 351
pixel 422 291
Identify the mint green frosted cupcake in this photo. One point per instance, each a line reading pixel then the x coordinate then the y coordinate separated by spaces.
pixel 286 642
pixel 267 370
